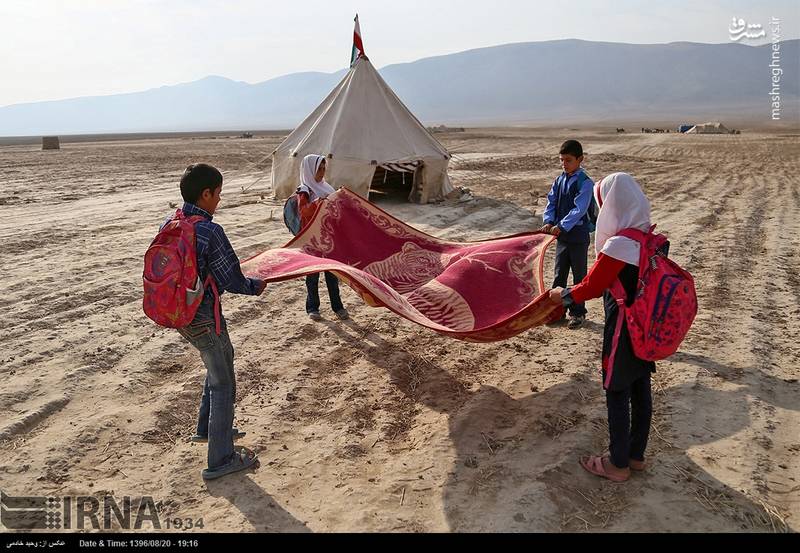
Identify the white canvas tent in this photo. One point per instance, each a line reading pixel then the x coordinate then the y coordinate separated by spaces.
pixel 709 128
pixel 361 127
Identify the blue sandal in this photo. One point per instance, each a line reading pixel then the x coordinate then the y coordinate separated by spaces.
pixel 241 460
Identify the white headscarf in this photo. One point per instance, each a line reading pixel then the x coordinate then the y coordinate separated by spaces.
pixel 622 205
pixel 308 171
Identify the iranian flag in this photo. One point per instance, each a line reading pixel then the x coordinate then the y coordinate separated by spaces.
pixel 358 46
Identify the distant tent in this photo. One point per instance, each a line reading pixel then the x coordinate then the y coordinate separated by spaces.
pixel 684 128
pixel 369 137
pixel 709 128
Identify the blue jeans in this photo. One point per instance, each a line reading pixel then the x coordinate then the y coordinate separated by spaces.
pixel 312 285
pixel 215 418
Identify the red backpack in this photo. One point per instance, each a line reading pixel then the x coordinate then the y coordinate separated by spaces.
pixel 664 306
pixel 172 287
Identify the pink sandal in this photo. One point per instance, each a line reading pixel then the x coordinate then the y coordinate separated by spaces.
pixel 594 464
pixel 633 464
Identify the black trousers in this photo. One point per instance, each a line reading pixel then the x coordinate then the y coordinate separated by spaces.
pixel 312 286
pixel 629 414
pixel 571 256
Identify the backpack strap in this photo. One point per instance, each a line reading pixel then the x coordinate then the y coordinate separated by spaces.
pixel 650 243
pixel 209 281
pixel 217 316
pixel 618 292
pixel 636 234
pixel 582 176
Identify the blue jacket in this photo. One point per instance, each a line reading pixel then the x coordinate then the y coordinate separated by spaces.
pixel 567 206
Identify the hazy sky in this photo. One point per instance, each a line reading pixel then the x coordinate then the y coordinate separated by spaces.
pixel 53 49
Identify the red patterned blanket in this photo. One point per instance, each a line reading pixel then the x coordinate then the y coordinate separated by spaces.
pixel 475 291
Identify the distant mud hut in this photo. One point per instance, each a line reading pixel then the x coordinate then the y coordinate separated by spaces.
pixel 50 143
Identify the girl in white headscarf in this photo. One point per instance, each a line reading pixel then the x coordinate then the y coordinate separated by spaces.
pixel 622 205
pixel 312 177
pixel 313 188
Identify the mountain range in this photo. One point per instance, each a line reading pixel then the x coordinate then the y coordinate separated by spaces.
pixel 534 82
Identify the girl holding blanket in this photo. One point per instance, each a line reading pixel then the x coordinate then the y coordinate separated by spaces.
pixel 313 188
pixel 628 396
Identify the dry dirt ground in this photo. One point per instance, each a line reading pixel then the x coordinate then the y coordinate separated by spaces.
pixel 376 424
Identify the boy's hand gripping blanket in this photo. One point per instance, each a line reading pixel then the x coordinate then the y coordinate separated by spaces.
pixel 474 291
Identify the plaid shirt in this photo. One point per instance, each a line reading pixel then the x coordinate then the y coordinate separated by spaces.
pixel 215 253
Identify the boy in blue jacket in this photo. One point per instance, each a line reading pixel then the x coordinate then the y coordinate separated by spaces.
pixel 567 217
